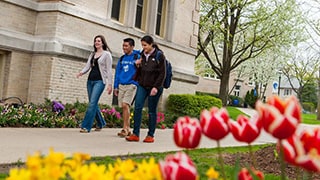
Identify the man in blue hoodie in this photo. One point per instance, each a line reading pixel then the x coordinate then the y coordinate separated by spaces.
pixel 124 85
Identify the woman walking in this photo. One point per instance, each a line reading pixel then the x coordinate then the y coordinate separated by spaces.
pixel 100 66
pixel 152 69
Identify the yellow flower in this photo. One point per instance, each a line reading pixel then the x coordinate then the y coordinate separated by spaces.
pixel 212 174
pixel 55 166
pixel 16 174
pixel 81 157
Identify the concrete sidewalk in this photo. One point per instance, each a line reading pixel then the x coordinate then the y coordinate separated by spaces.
pixel 17 143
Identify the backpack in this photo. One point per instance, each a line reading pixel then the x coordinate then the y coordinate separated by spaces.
pixel 168 78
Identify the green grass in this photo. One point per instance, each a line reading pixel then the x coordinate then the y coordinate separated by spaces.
pixel 234 112
pixel 306 118
pixel 310 119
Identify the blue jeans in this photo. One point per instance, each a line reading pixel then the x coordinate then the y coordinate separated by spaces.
pixel 95 89
pixel 141 95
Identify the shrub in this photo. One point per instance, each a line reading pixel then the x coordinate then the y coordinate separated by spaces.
pixel 308 106
pixel 251 98
pixel 187 104
pixel 209 94
pixel 233 100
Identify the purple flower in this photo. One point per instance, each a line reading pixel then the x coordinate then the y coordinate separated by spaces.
pixel 57 107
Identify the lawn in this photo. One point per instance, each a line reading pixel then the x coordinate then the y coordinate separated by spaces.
pixel 306 118
pixel 310 119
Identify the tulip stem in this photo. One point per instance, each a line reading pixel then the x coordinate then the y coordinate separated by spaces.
pixel 221 161
pixel 252 156
pixel 309 175
pixel 187 151
pixel 298 173
pixel 282 164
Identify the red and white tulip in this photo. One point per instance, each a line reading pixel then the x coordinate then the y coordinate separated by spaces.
pixel 280 118
pixel 214 123
pixel 304 150
pixel 245 129
pixel 178 167
pixel 187 132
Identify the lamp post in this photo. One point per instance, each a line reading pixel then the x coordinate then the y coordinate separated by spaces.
pixel 279 82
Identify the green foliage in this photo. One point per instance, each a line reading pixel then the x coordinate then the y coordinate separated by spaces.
pixel 309 94
pixel 191 105
pixel 233 99
pixel 210 94
pixel 112 116
pixel 308 107
pixel 251 98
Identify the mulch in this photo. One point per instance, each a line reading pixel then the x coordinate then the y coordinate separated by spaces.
pixel 267 161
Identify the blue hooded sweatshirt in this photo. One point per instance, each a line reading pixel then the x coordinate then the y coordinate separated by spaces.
pixel 126 69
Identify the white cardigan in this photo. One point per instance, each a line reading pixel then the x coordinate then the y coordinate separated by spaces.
pixel 105 66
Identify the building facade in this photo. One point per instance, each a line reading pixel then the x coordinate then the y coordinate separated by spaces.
pixel 45 43
pixel 239 87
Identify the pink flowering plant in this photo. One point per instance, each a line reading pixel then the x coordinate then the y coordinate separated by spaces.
pixel 160 120
pixel 112 117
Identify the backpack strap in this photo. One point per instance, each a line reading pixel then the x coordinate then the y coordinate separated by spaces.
pixel 135 57
pixel 158 54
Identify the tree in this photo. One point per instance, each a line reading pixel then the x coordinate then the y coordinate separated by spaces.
pixel 264 69
pixel 234 31
pixel 309 94
pixel 302 67
pixel 313 7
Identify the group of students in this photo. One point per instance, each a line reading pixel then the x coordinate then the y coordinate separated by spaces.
pixel 138 76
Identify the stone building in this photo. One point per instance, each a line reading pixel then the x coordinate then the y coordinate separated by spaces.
pixel 45 43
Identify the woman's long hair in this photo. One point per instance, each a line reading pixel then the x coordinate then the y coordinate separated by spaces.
pixel 149 40
pixel 104 42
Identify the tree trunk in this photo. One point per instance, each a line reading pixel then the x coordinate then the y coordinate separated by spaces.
pixel 318 108
pixel 224 88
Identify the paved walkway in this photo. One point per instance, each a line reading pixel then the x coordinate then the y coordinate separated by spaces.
pixel 17 143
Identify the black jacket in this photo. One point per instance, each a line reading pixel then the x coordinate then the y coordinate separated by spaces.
pixel 152 71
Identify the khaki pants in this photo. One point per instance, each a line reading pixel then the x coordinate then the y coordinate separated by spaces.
pixel 126 94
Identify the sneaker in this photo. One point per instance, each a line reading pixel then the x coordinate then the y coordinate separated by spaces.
pixel 97 129
pixel 84 130
pixel 148 139
pixel 124 133
pixel 132 137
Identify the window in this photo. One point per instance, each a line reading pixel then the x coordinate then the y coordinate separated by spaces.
pixel 251 82
pixel 115 12
pixel 161 14
pixel 287 92
pixel 209 73
pixel 2 64
pixel 211 76
pixel 139 14
pixel 237 90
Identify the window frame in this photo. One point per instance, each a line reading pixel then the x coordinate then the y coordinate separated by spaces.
pixel 121 11
pixel 160 27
